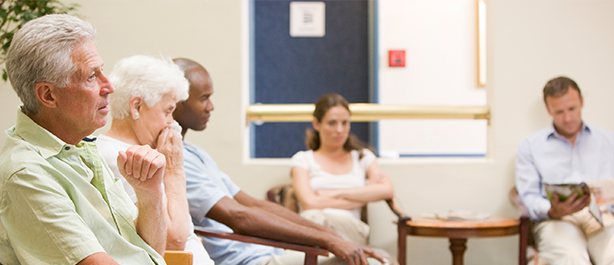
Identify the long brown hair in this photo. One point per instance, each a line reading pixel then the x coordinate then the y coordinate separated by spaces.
pixel 323 104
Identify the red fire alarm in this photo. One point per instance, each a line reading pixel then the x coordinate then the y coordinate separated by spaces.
pixel 396 58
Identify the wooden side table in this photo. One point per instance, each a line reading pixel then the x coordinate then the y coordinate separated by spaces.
pixel 456 231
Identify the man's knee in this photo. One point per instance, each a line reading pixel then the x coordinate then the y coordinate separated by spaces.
pixel 561 242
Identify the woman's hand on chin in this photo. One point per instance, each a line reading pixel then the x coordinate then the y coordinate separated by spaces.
pixel 171 145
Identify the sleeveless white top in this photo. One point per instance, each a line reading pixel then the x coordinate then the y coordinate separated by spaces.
pixel 320 179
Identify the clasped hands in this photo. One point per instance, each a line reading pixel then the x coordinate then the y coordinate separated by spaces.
pixel 143 168
pixel 354 254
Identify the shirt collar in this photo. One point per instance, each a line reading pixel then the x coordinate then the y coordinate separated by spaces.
pixel 553 133
pixel 47 143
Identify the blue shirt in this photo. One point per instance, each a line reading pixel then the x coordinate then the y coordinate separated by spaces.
pixel 207 185
pixel 548 157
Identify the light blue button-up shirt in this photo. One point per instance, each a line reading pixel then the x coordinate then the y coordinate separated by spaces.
pixel 206 185
pixel 548 157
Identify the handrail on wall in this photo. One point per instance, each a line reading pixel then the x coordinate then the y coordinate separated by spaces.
pixel 365 112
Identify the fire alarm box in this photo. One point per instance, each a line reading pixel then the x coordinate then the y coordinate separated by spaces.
pixel 396 58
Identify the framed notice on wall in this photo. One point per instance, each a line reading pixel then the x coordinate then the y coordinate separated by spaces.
pixel 307 19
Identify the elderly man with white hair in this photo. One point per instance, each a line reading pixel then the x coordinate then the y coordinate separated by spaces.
pixel 59 201
pixel 146 92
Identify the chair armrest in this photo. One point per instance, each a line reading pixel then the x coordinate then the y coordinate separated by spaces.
pixel 178 257
pixel 517 202
pixel 397 209
pixel 256 240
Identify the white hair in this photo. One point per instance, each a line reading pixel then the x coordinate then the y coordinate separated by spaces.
pixel 147 77
pixel 41 51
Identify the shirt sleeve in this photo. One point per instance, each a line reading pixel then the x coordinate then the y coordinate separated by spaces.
pixel 367 158
pixel 300 159
pixel 230 185
pixel 42 222
pixel 528 183
pixel 202 192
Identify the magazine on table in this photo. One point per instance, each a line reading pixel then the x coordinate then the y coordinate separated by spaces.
pixel 459 214
pixel 564 191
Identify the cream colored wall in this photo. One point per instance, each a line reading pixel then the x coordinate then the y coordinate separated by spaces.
pixel 529 42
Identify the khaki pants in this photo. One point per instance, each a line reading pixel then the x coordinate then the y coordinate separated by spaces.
pixel 576 239
pixel 349 228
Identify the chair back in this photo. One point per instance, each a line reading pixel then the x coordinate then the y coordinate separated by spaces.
pixel 527 249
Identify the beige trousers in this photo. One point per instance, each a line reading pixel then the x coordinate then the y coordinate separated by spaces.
pixel 576 239
pixel 349 228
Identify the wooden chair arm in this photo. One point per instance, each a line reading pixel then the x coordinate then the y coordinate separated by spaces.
pixel 517 202
pixel 256 240
pixel 178 257
pixel 397 209
pixel 526 227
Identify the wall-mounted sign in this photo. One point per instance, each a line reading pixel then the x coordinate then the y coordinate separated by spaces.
pixel 307 19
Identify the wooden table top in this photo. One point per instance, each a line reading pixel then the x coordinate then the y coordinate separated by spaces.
pixel 490 222
pixel 492 226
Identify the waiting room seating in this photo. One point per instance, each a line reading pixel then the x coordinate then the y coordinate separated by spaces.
pixel 177 257
pixel 527 244
pixel 311 253
pixel 173 257
pixel 285 196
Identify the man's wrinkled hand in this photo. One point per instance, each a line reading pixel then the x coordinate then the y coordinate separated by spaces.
pixel 559 209
pixel 142 167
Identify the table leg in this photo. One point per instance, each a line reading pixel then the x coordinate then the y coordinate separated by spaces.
pixel 458 247
pixel 402 243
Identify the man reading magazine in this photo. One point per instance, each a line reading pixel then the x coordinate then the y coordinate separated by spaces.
pixel 563 192
pixel 568 151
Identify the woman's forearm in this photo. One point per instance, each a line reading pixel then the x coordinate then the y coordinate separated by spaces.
pixel 178 211
pixel 321 202
pixel 366 194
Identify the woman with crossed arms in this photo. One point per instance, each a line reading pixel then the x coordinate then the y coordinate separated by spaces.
pixel 337 175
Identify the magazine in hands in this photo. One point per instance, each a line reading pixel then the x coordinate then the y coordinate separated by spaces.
pixel 565 190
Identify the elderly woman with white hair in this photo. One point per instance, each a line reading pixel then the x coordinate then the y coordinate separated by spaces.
pixel 146 92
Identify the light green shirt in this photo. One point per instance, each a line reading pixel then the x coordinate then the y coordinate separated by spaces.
pixel 50 213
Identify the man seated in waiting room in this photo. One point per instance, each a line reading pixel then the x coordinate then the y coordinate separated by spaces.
pixel 59 203
pixel 568 151
pixel 218 203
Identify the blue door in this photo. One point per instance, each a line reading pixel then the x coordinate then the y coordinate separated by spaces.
pixel 299 70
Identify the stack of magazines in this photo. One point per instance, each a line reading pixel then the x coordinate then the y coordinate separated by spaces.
pixel 458 214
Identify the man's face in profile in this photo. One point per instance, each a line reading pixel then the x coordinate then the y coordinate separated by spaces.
pixel 566 112
pixel 84 104
pixel 194 113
